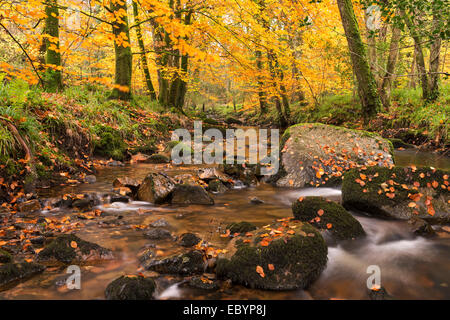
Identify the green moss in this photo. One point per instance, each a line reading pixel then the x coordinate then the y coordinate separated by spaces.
pixel 110 144
pixel 343 224
pixel 297 260
pixel 12 272
pixel 5 257
pixel 158 158
pixel 61 250
pixel 241 227
pixel 131 288
pixel 372 196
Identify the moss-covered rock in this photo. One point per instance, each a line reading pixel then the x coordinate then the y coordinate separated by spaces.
pixel 69 249
pixel 399 192
pixel 5 256
pixel 286 255
pixel 327 215
pixel 12 272
pixel 216 186
pixel 110 143
pixel 131 288
pixel 188 263
pixel 203 283
pixel 241 227
pixel 316 154
pixel 190 194
pixel 244 172
pixel 157 158
pixel 155 188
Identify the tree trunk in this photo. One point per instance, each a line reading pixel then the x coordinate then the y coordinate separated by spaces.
pixel 52 75
pixel 435 51
pixel 367 87
pixel 122 50
pixel 148 79
pixel 412 72
pixel 388 79
pixel 261 93
pixel 420 59
pixel 273 64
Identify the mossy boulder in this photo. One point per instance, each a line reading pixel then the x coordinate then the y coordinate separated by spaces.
pixel 241 227
pixel 243 172
pixel 13 272
pixel 328 216
pixel 315 154
pixel 110 143
pixel 283 256
pixel 216 186
pixel 69 249
pixel 157 158
pixel 184 194
pixel 399 192
pixel 131 288
pixel 188 263
pixel 5 256
pixel 155 188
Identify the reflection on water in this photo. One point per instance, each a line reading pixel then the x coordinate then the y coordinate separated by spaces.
pixel 411 267
pixel 421 158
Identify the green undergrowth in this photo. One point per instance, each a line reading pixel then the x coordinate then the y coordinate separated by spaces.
pixel 81 122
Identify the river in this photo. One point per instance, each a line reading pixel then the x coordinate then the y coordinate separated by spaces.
pixel 411 267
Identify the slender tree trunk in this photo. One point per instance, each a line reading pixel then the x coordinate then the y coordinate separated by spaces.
pixel 52 75
pixel 284 122
pixel 122 50
pixel 148 79
pixel 388 79
pixel 420 59
pixel 367 87
pixel 412 72
pixel 435 51
pixel 261 93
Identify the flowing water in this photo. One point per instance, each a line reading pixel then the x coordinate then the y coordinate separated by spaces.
pixel 411 267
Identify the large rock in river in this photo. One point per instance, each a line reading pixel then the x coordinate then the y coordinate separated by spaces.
pixel 328 216
pixel 130 288
pixel 283 256
pixel 400 192
pixel 318 154
pixel 69 249
pixel 155 188
pixel 190 194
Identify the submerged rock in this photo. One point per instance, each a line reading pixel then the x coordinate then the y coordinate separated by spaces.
pixel 283 256
pixel 131 288
pixel 29 206
pixel 189 240
pixel 317 154
pixel 256 200
pixel 156 188
pixel 158 234
pixel 190 194
pixel 327 215
pixel 160 223
pixel 12 272
pixel 209 174
pixel 241 227
pixel 187 263
pixel 399 192
pixel 69 249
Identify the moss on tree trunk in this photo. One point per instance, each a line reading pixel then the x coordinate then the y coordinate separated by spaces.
pixel 367 87
pixel 122 50
pixel 52 75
